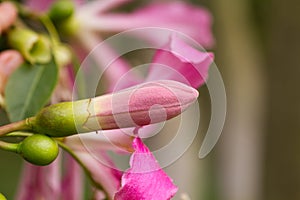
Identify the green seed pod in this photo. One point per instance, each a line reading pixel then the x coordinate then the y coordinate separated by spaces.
pixel 61 10
pixel 38 149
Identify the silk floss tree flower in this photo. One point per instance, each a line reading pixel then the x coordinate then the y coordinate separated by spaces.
pixel 132 107
pixel 91 113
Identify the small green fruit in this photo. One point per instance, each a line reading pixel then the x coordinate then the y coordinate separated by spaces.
pixel 38 149
pixel 2 197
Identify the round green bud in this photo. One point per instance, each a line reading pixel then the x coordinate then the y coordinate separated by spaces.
pixel 2 197
pixel 68 27
pixel 38 149
pixel 61 10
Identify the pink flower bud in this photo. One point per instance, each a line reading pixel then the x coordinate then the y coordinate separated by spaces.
pixel 8 15
pixel 144 104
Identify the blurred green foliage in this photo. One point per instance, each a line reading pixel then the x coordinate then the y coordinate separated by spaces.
pixel 10 167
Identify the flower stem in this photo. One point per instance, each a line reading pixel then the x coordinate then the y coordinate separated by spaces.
pixel 50 28
pixel 18 134
pixel 9 146
pixel 23 125
pixel 87 172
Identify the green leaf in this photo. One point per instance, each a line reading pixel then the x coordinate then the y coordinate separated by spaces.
pixel 29 88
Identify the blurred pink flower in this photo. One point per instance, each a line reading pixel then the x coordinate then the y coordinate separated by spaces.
pixel 178 16
pixel 40 182
pixel 8 15
pixel 180 62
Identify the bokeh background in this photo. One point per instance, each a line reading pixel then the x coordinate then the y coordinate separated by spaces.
pixel 257 156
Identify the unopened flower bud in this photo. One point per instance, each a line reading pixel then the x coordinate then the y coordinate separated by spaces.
pixel 141 105
pixel 61 10
pixel 68 27
pixel 34 47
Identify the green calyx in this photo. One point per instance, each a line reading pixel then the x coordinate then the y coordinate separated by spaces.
pixel 34 47
pixel 61 10
pixel 38 149
pixel 58 120
pixel 63 119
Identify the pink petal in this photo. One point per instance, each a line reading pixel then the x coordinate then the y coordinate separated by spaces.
pixel 43 5
pixel 109 140
pixel 39 5
pixel 40 182
pixel 181 62
pixel 8 15
pixel 145 180
pixel 72 183
pixel 105 176
pixel 10 60
pixel 108 61
pixel 144 104
pixel 179 16
pixel 98 6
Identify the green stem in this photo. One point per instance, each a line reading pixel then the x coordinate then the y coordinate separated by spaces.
pixel 86 170
pixel 18 134
pixel 9 146
pixel 24 125
pixel 44 19
pixel 50 28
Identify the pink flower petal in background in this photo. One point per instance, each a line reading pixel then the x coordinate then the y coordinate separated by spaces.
pixel 8 15
pixel 193 21
pixel 40 182
pixel 39 5
pixel 145 180
pixel 72 182
pixel 106 176
pixel 109 140
pixel 108 61
pixel 10 60
pixel 98 6
pixel 43 5
pixel 181 62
